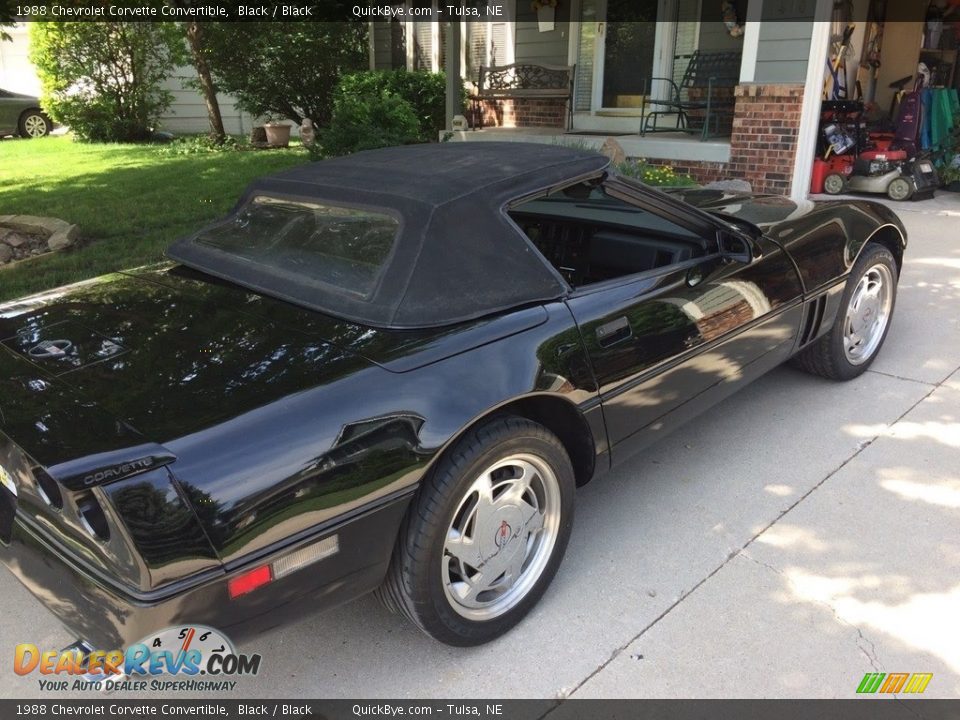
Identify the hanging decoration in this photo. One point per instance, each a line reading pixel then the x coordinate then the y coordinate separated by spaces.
pixel 728 11
pixel 546 13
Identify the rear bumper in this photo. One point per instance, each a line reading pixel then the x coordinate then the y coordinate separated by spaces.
pixel 109 619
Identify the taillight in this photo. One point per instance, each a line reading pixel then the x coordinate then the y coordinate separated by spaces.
pixel 249 581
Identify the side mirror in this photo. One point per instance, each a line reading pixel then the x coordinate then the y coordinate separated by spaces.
pixel 736 248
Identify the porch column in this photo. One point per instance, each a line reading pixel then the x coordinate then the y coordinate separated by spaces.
pixel 812 96
pixel 453 72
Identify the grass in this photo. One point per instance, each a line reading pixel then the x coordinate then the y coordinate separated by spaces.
pixel 130 201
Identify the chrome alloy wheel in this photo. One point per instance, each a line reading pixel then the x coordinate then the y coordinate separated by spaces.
pixel 868 314
pixel 501 537
pixel 35 126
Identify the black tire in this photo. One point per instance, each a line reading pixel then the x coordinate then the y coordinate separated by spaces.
pixel 826 356
pixel 414 585
pixel 30 120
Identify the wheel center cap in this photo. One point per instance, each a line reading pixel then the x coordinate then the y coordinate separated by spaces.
pixel 503 535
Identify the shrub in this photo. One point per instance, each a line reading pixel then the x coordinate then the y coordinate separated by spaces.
pixel 103 79
pixel 660 175
pixel 284 69
pixel 424 91
pixel 364 123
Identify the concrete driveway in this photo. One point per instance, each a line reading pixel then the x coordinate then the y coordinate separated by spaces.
pixel 799 535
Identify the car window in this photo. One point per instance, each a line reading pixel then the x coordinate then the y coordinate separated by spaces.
pixel 343 247
pixel 589 236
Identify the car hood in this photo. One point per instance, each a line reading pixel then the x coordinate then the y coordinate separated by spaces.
pixel 122 360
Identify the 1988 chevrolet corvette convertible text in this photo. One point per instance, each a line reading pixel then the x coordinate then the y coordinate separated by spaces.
pixel 389 372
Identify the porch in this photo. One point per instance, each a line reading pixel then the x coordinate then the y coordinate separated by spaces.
pixel 678 148
pixel 615 50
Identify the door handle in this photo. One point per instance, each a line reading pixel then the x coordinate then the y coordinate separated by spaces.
pixel 613 332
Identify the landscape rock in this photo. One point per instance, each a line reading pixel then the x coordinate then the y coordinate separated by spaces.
pixel 613 150
pixel 25 236
pixel 59 241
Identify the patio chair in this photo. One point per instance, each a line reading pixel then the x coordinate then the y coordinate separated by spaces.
pixel 702 102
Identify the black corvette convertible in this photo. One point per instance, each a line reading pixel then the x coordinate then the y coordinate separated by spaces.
pixel 389 372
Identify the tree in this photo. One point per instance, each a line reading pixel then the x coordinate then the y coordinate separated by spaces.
pixel 286 70
pixel 195 40
pixel 104 79
pixel 6 20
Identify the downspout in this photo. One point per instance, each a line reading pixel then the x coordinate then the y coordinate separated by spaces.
pixel 810 108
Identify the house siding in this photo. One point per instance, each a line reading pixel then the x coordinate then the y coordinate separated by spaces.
pixel 188 113
pixel 543 48
pixel 17 73
pixel 783 50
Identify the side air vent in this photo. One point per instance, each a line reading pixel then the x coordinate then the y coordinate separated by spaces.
pixel 48 488
pixel 813 317
pixel 92 517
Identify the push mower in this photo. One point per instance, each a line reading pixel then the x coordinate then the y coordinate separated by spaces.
pixel 884 163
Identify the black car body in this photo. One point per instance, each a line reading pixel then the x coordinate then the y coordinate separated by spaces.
pixel 170 429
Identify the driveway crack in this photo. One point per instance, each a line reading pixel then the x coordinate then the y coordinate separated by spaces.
pixel 871 656
pixel 871 653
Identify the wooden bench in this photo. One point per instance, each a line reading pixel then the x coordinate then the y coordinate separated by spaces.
pixel 701 100
pixel 522 80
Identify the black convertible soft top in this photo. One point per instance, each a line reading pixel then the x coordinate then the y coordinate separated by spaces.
pixel 457 255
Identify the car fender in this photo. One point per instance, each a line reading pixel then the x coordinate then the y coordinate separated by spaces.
pixel 826 242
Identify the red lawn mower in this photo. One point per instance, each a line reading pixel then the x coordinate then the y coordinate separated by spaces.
pixel 875 162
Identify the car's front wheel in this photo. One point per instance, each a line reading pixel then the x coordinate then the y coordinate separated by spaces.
pixel 34 124
pixel 861 326
pixel 485 535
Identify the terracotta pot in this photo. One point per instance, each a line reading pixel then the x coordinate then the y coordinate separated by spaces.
pixel 278 134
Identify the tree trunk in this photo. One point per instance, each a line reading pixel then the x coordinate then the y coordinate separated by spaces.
pixel 195 40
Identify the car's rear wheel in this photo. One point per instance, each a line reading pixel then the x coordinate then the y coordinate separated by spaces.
pixel 34 124
pixel 485 535
pixel 861 326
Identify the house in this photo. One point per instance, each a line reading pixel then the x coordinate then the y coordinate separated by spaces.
pixel 186 115
pixel 780 49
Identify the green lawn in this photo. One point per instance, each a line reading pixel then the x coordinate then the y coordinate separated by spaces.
pixel 130 201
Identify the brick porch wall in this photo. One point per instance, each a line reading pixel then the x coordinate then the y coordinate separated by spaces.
pixel 525 112
pixel 763 144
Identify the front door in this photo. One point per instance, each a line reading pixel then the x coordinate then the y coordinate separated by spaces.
pixel 633 42
pixel 668 344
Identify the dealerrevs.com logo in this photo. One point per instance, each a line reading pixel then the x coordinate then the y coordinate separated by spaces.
pixel 187 658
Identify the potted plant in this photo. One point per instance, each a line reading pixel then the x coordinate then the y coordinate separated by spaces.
pixel 278 133
pixel 546 11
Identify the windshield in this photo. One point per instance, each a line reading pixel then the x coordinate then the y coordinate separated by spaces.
pixel 346 248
